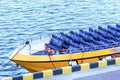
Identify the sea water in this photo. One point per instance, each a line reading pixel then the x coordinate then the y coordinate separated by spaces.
pixel 21 20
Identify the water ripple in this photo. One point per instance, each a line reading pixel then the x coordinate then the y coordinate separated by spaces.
pixel 22 19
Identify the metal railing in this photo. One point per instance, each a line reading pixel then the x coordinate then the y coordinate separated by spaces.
pixel 78 50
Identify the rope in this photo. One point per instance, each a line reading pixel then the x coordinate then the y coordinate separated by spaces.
pixel 51 60
pixel 26 43
pixel 4 66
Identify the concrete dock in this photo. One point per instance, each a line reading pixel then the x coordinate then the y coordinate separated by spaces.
pixel 104 73
pixel 100 70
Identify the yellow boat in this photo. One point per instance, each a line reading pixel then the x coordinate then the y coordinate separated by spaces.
pixel 66 49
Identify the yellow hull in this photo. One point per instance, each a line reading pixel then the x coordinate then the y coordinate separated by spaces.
pixel 34 63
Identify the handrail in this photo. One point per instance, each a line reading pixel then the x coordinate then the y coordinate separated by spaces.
pixel 82 49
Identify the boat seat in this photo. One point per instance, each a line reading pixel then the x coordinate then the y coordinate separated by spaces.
pixel 96 37
pixel 76 39
pixel 88 38
pixel 52 46
pixel 117 34
pixel 112 28
pixel 65 45
pixel 67 41
pixel 81 34
pixel 91 30
pixel 100 47
pixel 56 42
pixel 86 49
pixel 81 31
pixel 102 38
pixel 118 26
pixel 111 46
pixel 57 37
pixel 76 50
pixel 118 29
pixel 75 36
pixel 97 32
pixel 116 44
pixel 82 41
pixel 97 43
pixel 72 49
pixel 87 33
pixel 75 45
pixel 69 36
pixel 116 40
pixel 110 36
pixel 62 36
pixel 72 32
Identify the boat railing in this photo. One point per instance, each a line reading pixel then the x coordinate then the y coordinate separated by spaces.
pixel 72 50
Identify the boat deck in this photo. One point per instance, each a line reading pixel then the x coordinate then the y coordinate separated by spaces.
pixel 42 52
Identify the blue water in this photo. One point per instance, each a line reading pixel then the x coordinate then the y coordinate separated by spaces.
pixel 24 19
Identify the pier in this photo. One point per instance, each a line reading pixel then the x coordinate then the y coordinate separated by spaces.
pixel 106 69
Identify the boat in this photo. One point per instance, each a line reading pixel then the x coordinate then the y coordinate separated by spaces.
pixel 69 48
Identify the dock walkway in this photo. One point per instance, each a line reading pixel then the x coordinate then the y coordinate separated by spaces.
pixel 84 71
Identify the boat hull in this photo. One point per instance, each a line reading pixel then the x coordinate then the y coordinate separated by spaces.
pixel 39 66
pixel 34 63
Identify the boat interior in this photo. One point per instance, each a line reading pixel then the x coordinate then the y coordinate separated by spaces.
pixel 79 41
pixel 84 41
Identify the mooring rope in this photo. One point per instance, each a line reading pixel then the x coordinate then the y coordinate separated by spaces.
pixel 26 43
pixel 51 60
pixel 5 66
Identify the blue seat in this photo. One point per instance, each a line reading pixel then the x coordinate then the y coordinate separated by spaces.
pixel 75 50
pixel 100 28
pixel 69 36
pixel 65 46
pixel 56 42
pixel 75 45
pixel 81 31
pixel 81 35
pixel 75 36
pixel 116 44
pixel 112 32
pixel 87 33
pixel 57 37
pixel 105 41
pixel 62 35
pixel 88 38
pixel 72 32
pixel 97 43
pixel 76 39
pixel 99 47
pixel 82 41
pixel 96 37
pixel 91 40
pixel 91 30
pixel 52 46
pixel 112 28
pixel 117 34
pixel 96 32
pixel 87 49
pixel 72 49
pixel 118 26
pixel 116 40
